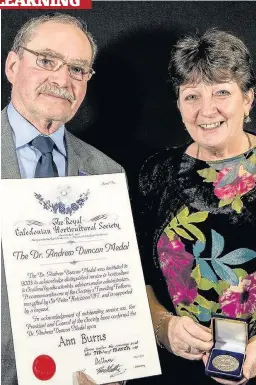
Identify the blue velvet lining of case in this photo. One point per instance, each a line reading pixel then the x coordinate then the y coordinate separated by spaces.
pixel 213 371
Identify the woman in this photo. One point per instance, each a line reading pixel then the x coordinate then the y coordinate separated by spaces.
pixel 199 210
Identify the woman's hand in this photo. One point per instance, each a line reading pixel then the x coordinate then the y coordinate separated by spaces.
pixel 82 379
pixel 184 337
pixel 180 335
pixel 249 367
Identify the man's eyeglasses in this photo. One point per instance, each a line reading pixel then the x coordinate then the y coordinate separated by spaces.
pixel 53 63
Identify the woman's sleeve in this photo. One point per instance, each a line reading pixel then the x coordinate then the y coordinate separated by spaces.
pixel 155 176
pixel 145 211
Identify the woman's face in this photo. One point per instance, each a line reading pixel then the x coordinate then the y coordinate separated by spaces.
pixel 214 113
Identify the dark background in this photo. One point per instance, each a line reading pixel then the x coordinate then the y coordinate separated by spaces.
pixel 130 110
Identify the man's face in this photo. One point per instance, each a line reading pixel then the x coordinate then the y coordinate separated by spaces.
pixel 30 82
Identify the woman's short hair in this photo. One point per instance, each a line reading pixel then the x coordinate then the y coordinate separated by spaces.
pixel 213 57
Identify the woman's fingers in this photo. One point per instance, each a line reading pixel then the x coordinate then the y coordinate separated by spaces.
pixel 182 339
pixel 205 358
pixel 197 331
pixel 197 343
pixel 192 357
pixel 184 350
pixel 195 337
pixel 196 351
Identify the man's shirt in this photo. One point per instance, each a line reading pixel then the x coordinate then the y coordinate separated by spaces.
pixel 28 156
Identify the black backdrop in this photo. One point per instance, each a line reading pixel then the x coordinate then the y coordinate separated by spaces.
pixel 130 110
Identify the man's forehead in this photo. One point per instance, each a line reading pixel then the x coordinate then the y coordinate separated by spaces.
pixel 51 25
pixel 67 39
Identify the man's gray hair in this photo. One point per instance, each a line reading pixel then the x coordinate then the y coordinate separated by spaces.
pixel 213 57
pixel 26 32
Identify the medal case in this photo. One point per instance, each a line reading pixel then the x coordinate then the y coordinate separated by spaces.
pixel 230 336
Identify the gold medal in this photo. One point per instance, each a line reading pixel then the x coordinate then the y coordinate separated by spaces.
pixel 225 363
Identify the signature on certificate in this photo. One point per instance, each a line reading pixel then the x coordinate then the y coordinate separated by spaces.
pixel 108 183
pixel 115 369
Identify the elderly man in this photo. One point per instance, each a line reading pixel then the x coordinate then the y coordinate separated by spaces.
pixel 48 66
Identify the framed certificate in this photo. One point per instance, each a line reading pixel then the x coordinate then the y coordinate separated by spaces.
pixel 76 291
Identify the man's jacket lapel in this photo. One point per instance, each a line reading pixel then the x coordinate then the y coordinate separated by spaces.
pixel 10 166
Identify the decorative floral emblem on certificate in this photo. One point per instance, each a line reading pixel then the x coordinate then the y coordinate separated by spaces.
pixel 65 201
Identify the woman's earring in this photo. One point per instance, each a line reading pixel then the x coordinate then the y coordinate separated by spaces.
pixel 247 119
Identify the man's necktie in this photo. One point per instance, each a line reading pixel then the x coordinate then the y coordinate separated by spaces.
pixel 46 167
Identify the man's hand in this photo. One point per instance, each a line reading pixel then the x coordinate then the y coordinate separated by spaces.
pixel 249 368
pixel 186 338
pixel 82 379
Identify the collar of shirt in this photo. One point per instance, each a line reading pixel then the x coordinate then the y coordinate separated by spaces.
pixel 24 131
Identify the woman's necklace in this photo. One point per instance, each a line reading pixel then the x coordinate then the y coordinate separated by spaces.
pixel 247 136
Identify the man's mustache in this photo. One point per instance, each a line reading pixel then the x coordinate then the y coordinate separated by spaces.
pixel 56 91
